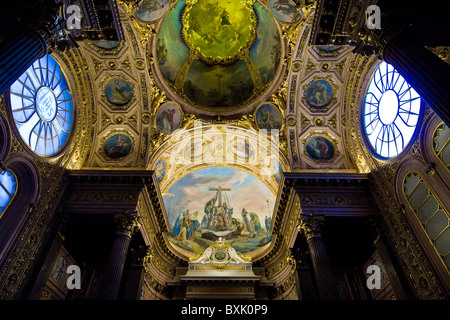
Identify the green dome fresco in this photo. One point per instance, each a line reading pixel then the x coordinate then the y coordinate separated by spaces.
pixel 218 31
pixel 218 55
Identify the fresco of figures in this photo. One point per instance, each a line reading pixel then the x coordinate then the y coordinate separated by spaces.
pixel 168 117
pixel 319 93
pixel 160 169
pixel 219 202
pixel 288 11
pixel 268 117
pixel 216 85
pixel 118 91
pixel 118 146
pixel 319 148
pixel 169 41
pixel 266 52
pixel 151 10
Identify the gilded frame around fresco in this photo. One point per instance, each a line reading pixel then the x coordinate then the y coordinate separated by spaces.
pixel 177 106
pixel 110 104
pixel 325 135
pixel 111 133
pixel 327 106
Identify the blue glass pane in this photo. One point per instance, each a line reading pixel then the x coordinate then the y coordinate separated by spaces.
pixel 8 188
pixel 391 111
pixel 42 107
pixel 4 199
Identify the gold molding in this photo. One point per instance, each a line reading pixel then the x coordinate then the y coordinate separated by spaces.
pixel 439 127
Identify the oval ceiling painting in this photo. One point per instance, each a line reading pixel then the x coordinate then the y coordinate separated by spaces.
pixel 319 93
pixel 219 202
pixel 151 10
pixel 118 146
pixel 285 10
pixel 118 91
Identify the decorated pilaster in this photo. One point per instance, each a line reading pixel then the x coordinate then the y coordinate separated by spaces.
pixel 127 225
pixel 310 225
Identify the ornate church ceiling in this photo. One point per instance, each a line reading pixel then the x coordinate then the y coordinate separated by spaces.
pixel 217 58
pixel 134 83
pixel 186 70
pixel 219 99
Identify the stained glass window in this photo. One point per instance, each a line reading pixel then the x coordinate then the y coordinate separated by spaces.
pixel 391 111
pixel 433 217
pixel 8 187
pixel 441 144
pixel 42 107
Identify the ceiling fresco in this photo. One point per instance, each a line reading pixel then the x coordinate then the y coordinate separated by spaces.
pixel 218 56
pixel 219 202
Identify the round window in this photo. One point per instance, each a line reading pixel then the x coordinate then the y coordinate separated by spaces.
pixel 42 107
pixel 391 112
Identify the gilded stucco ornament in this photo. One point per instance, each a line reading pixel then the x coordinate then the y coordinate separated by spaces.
pixel 144 30
pixel 219 255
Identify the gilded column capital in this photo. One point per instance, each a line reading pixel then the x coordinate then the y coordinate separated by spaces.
pixel 311 225
pixel 127 223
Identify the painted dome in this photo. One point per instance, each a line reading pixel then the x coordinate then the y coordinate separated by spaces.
pixel 217 55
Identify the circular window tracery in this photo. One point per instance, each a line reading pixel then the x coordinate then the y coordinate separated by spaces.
pixel 390 113
pixel 42 107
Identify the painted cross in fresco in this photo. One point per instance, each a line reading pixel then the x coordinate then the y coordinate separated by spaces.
pixel 219 193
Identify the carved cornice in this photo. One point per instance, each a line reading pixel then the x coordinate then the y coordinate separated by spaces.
pixel 91 177
pixel 105 191
pixel 334 193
